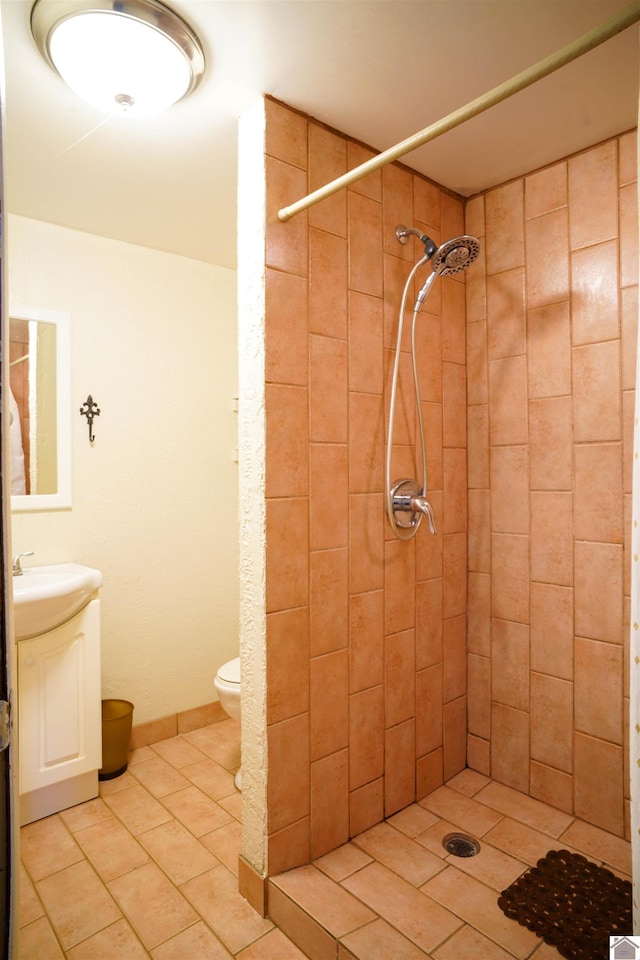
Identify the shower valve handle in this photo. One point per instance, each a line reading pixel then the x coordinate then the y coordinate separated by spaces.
pixel 423 505
pixel 406 497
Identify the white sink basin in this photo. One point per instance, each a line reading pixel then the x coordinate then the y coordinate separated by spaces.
pixel 44 597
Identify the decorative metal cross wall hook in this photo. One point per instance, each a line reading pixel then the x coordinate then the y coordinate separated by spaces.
pixel 90 409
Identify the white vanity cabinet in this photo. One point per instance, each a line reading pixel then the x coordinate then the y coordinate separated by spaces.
pixel 59 715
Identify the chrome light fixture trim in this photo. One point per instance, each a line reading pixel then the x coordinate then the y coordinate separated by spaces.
pixel 48 15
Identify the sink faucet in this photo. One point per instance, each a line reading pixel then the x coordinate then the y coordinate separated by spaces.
pixel 17 569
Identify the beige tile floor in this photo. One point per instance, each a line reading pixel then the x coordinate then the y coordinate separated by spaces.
pixel 148 869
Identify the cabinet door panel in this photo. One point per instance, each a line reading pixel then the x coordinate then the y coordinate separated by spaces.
pixel 60 726
pixel 60 696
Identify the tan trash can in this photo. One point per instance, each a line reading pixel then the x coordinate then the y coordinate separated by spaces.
pixel 117 716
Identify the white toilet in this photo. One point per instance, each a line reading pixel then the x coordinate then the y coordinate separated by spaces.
pixel 227 684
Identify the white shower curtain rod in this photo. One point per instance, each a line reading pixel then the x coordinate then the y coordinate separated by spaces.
pixel 611 27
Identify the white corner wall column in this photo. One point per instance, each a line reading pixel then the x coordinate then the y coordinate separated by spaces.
pixel 252 508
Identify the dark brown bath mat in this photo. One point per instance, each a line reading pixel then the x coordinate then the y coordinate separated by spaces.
pixel 572 904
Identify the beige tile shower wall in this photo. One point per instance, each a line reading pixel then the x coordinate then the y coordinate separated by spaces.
pixel 365 635
pixel 551 345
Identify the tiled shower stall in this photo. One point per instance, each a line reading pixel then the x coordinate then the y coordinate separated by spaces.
pixel 497 644
pixel 551 340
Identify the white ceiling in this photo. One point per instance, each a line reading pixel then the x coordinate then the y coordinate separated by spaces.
pixel 379 70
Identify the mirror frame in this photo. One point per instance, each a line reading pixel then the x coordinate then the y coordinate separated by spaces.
pixel 61 499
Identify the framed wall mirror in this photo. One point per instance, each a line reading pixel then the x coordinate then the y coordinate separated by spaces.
pixel 40 409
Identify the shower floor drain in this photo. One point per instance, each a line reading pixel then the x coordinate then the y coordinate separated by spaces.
pixel 460 845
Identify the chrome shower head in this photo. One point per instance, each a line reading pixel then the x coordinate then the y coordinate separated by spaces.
pixel 455 255
pixel 451 257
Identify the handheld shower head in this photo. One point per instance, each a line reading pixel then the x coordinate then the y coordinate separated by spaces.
pixel 455 255
pixel 451 257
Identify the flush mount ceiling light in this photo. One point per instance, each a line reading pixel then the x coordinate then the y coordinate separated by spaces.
pixel 133 57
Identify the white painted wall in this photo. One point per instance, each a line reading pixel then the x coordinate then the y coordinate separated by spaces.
pixel 155 504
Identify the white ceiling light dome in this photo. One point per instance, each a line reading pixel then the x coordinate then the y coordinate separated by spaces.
pixel 133 57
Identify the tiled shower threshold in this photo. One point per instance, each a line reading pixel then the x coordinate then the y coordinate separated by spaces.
pixel 395 892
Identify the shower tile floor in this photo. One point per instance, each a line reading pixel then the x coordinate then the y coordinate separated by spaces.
pixel 148 869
